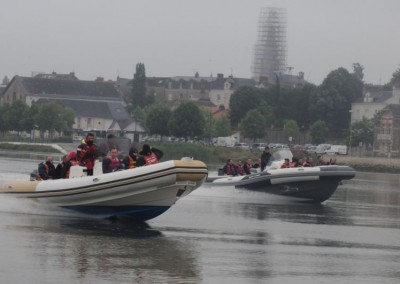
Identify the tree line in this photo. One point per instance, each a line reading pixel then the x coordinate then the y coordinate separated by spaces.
pixel 50 117
pixel 323 111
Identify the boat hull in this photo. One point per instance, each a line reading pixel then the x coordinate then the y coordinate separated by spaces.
pixel 314 184
pixel 142 193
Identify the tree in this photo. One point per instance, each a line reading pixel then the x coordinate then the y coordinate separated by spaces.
pixel 242 100
pixel 332 100
pixel 222 127
pixel 65 120
pixel 187 121
pixel 362 131
pixel 358 71
pixel 253 125
pixel 139 114
pixel 395 80
pixel 46 118
pixel 209 123
pixel 290 128
pixel 157 119
pixel 318 132
pixel 12 115
pixel 138 97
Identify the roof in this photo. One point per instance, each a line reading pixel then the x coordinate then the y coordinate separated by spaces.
pixel 394 109
pixel 68 87
pixel 376 97
pixel 109 110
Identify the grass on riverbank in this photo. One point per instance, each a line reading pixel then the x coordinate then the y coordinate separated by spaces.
pixel 28 147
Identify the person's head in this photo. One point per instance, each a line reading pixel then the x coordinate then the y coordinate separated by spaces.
pixel 146 149
pixel 49 159
pixel 287 161
pixel 64 159
pixel 249 161
pixel 133 152
pixel 239 162
pixel 114 152
pixel 266 149
pixel 89 139
pixel 72 155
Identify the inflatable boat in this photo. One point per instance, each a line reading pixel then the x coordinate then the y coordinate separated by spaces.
pixel 142 193
pixel 312 184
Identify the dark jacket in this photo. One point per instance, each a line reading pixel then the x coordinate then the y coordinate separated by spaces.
pixel 265 157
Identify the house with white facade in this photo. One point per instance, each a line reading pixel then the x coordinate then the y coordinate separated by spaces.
pixel 98 105
pixel 372 102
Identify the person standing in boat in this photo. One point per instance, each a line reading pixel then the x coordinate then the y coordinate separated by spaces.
pixel 149 156
pixel 112 163
pixel 87 153
pixel 265 157
pixel 131 159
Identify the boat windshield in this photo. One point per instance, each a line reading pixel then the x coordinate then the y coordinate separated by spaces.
pixel 280 155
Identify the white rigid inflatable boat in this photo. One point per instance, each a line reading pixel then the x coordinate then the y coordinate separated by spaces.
pixel 142 193
pixel 313 184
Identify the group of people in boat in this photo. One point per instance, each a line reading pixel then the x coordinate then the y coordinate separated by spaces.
pixel 232 169
pixel 308 162
pixel 86 155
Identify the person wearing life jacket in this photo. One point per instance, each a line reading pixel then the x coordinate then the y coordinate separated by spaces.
pixel 149 156
pixel 87 153
pixel 308 162
pixel 286 164
pixel 239 168
pixel 47 169
pixel 71 161
pixel 130 160
pixel 112 163
pixel 229 168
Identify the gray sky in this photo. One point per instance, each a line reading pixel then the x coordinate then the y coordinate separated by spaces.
pixel 179 37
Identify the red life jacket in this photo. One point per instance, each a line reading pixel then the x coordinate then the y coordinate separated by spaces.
pixel 114 164
pixel 87 155
pixel 151 159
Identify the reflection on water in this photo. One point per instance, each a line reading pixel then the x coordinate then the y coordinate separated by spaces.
pixel 214 235
pixel 120 251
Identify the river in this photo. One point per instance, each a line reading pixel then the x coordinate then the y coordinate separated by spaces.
pixel 214 235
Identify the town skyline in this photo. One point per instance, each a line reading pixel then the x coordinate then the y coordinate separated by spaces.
pixel 179 38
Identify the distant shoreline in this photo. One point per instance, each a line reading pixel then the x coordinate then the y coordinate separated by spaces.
pixel 364 164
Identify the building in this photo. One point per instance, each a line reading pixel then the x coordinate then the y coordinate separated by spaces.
pixel 203 91
pixel 387 132
pixel 270 48
pixel 374 99
pixel 97 105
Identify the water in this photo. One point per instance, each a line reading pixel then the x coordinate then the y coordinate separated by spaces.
pixel 214 235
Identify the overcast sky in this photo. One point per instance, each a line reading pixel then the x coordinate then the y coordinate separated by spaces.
pixel 180 37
